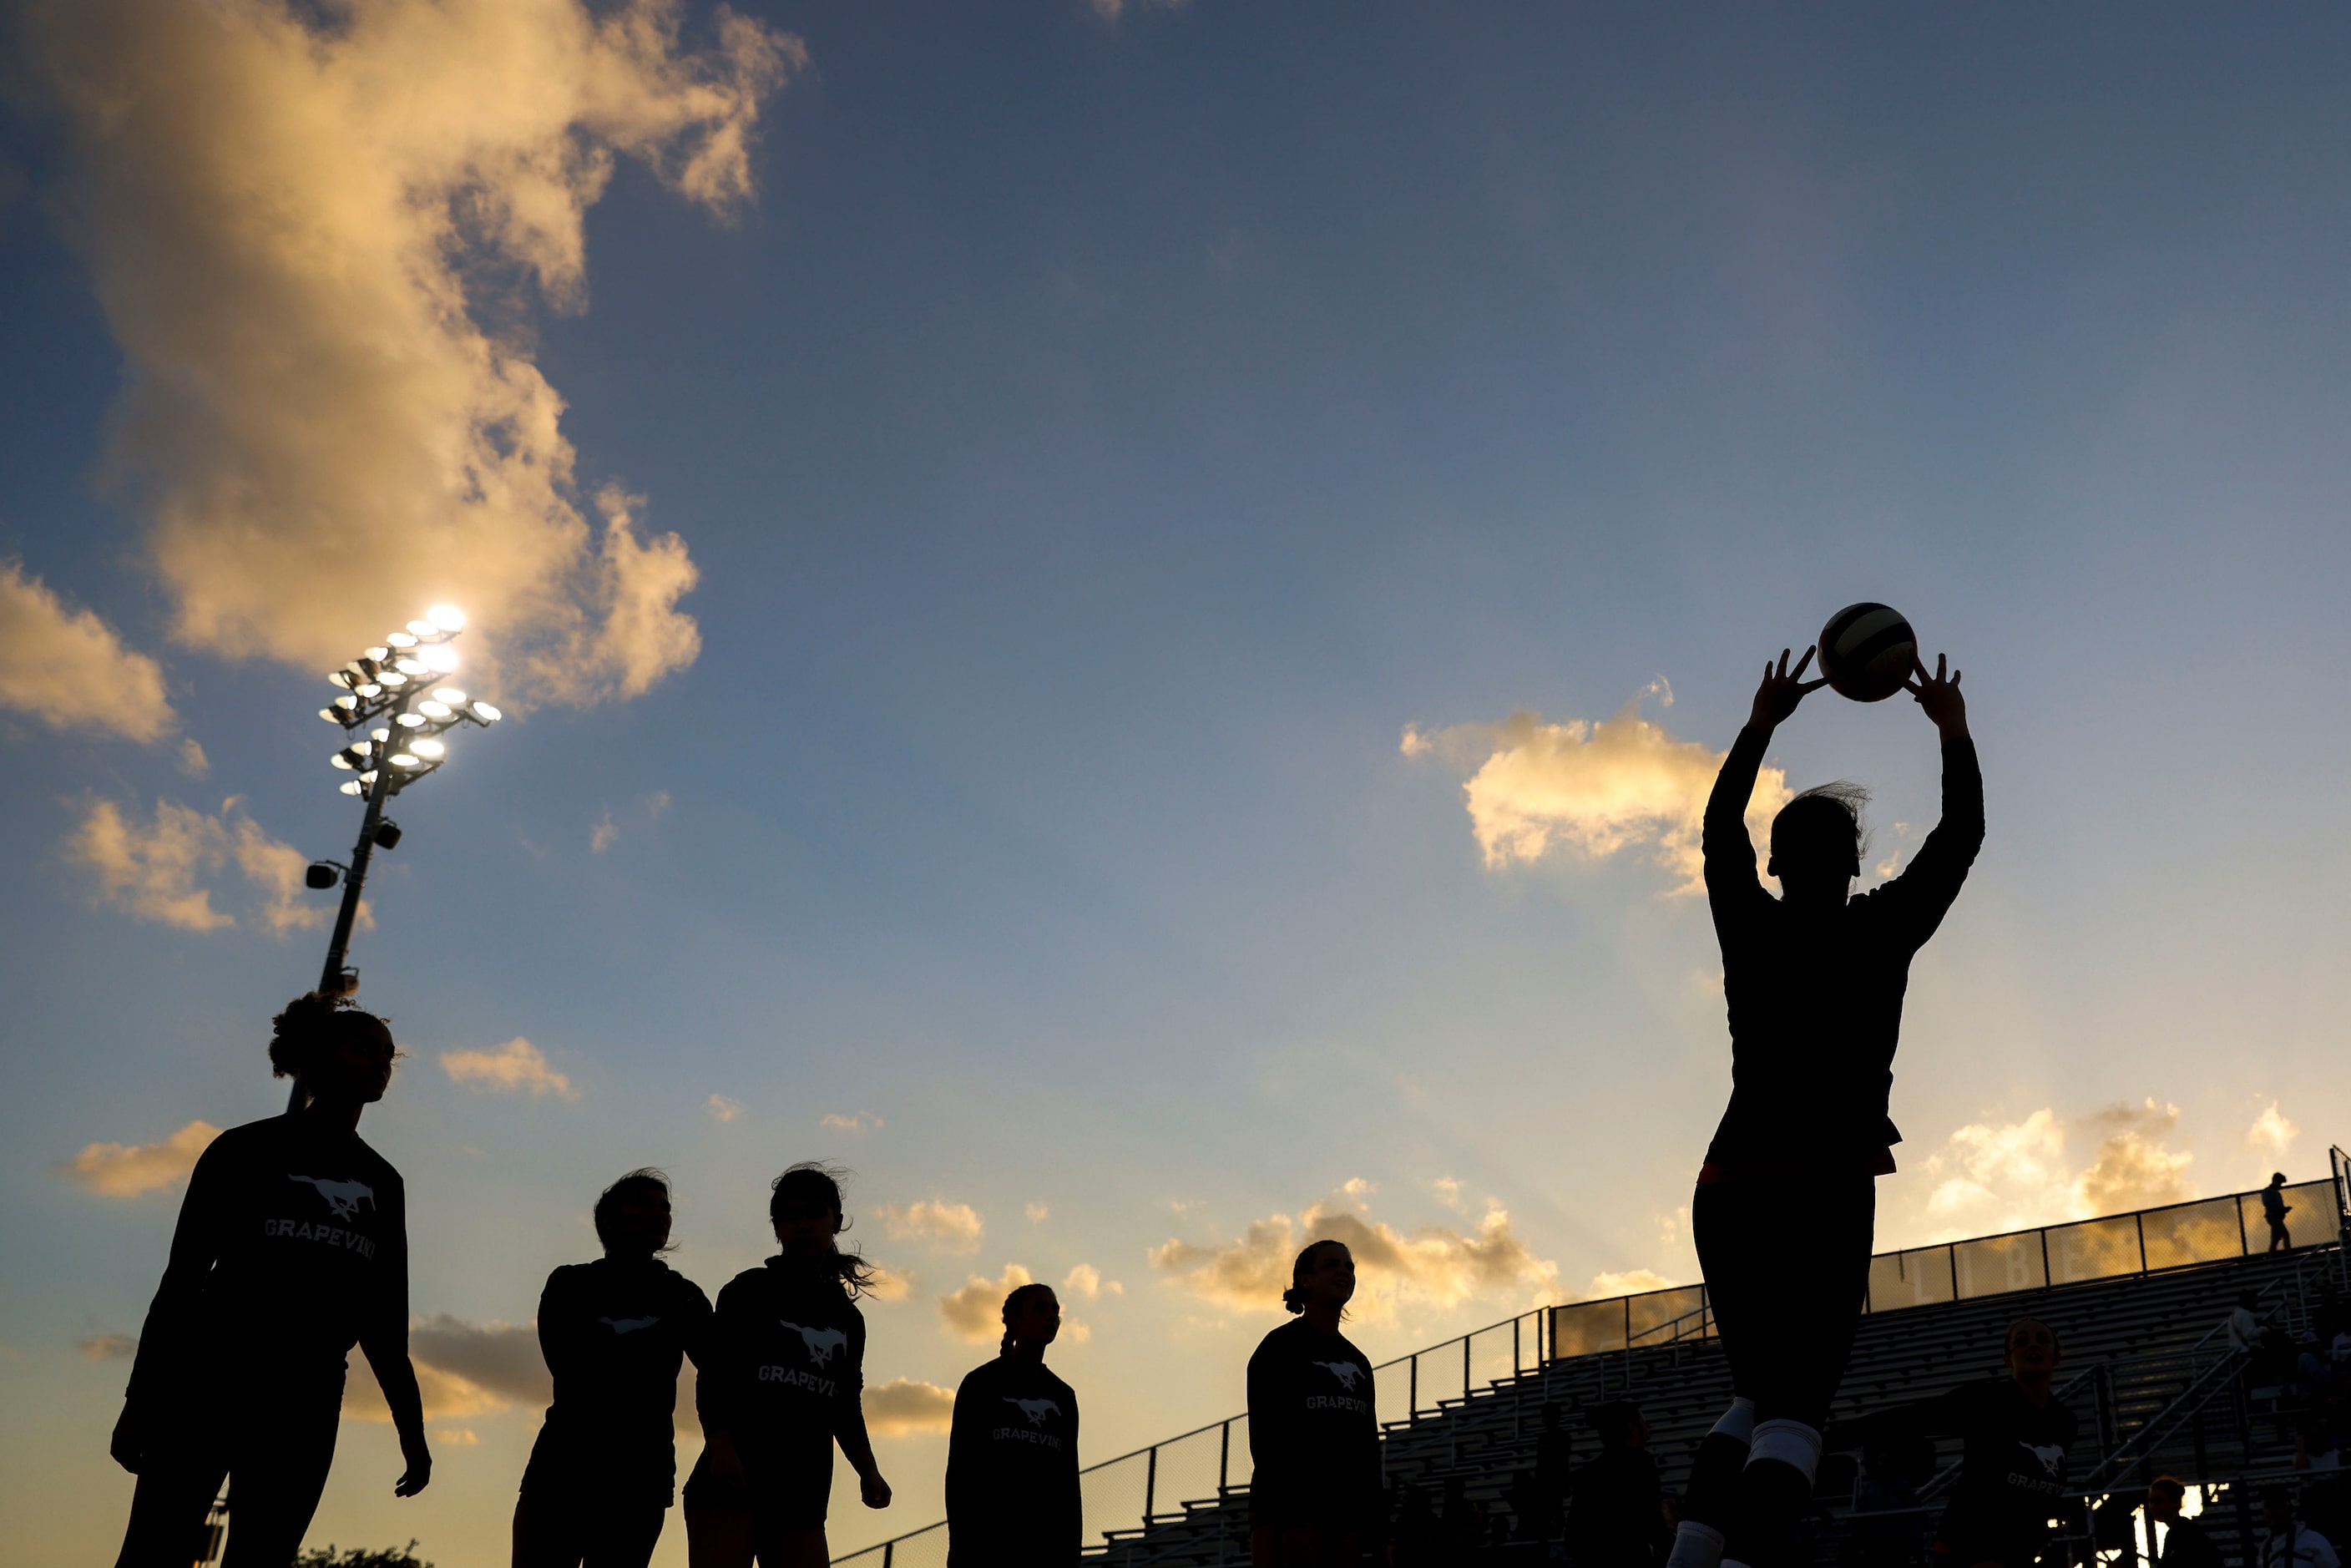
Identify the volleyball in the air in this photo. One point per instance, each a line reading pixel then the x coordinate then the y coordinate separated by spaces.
pixel 1867 651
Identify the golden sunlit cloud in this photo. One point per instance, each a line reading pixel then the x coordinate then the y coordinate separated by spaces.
pixel 311 231
pixel 975 1312
pixel 67 668
pixel 157 870
pixel 1590 789
pixel 947 1227
pixel 1036 1213
pixel 1435 1265
pixel 722 1109
pixel 126 1170
pixel 891 1284
pixel 455 1438
pixel 2271 1132
pixel 1086 1280
pixel 1629 1282
pixel 463 1369
pixel 517 1065
pixel 1993 1177
pixel 853 1124
pixel 108 1347
pixel 904 1405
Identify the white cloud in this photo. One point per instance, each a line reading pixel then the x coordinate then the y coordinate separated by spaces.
pixel 157 870
pixel 126 1170
pixel 892 1284
pixel 2271 1132
pixel 67 668
pixel 947 1227
pixel 975 1312
pixel 1436 1265
pixel 1590 789
pixel 1993 1177
pixel 603 835
pixel 1036 1213
pixel 312 231
pixel 455 1438
pixel 1629 1282
pixel 656 804
pixel 853 1124
pixel 904 1405
pixel 108 1347
pixel 1086 1280
pixel 722 1109
pixel 1448 1191
pixel 515 1065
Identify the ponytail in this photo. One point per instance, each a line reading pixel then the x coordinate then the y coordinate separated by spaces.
pixel 1012 1305
pixel 1293 1300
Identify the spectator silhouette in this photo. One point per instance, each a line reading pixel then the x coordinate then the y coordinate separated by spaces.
pixel 2183 1544
pixel 2274 1208
pixel 1615 1516
pixel 1314 1437
pixel 1554 1467
pixel 292 1246
pixel 2289 1542
pixel 785 1383
pixel 1012 1456
pixel 2244 1322
pixel 614 1332
pixel 1889 1525
pixel 1813 983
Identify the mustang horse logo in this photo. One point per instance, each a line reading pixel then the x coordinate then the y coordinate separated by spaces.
pixel 820 1342
pixel 342 1197
pixel 1036 1409
pixel 1346 1372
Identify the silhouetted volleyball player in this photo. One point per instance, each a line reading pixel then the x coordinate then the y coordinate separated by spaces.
pixel 784 1382
pixel 292 1246
pixel 1012 1458
pixel 1786 1200
pixel 614 1334
pixel 1315 1499
pixel 2013 1468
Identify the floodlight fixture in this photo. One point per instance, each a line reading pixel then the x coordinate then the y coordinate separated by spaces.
pixel 387 834
pixel 486 712
pixel 403 639
pixel 447 618
pixel 321 874
pixel 449 694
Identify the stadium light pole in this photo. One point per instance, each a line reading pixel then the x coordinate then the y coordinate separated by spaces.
pixel 393 709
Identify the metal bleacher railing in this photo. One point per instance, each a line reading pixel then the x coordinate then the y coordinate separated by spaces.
pixel 1127 1495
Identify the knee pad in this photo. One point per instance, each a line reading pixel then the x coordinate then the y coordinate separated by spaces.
pixel 1737 1423
pixel 1791 1443
pixel 1696 1545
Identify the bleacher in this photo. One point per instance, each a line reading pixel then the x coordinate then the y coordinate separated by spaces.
pixel 2147 1369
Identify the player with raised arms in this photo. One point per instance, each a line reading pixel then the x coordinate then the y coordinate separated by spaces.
pixel 1814 982
pixel 292 1246
pixel 785 1382
pixel 1012 1453
pixel 1315 1499
pixel 615 1331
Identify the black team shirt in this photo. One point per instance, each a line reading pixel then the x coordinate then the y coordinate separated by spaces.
pixel 1815 999
pixel 1313 1435
pixel 1012 1467
pixel 292 1247
pixel 785 1374
pixel 2012 1466
pixel 614 1334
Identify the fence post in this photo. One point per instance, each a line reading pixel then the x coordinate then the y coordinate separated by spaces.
pixel 1518 1361
pixel 1150 1484
pixel 1225 1457
pixel 2139 1220
pixel 2046 1282
pixel 889 1551
pixel 1465 1367
pixel 1412 1387
pixel 2244 1242
pixel 1953 1259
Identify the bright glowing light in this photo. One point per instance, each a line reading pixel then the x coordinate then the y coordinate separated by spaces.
pixel 330 715
pixel 449 694
pixel 353 787
pixel 403 759
pixel 392 678
pixel 339 761
pixel 410 666
pixel 347 704
pixel 430 749
pixel 368 777
pixel 380 734
pixel 403 639
pixel 447 617
pixel 371 690
pixel 434 710
pixel 486 713
pixel 423 629
pixel 378 655
pixel 443 658
pixel 410 720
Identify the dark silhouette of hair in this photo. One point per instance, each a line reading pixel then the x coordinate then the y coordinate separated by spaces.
pixel 612 1197
pixel 814 1179
pixel 1294 1299
pixel 1013 1304
pixel 2013 1323
pixel 2277 1178
pixel 1823 820
pixel 312 1022
pixel 1613 1421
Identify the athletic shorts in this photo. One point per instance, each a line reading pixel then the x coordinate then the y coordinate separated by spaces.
pixel 786 1490
pixel 583 1473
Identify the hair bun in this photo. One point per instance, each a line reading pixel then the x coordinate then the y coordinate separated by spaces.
pixel 1293 1300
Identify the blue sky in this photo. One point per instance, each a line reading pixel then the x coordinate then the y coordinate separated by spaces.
pixel 1098 437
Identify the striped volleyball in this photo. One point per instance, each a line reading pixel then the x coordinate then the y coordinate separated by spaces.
pixel 1867 651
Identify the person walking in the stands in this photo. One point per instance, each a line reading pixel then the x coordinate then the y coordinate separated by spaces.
pixel 1315 1499
pixel 1012 1454
pixel 292 1246
pixel 2274 1208
pixel 785 1382
pixel 615 1333
pixel 1814 982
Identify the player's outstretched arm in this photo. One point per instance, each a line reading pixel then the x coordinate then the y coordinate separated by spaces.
pixel 1776 698
pixel 1730 854
pixel 1938 697
pixel 1924 891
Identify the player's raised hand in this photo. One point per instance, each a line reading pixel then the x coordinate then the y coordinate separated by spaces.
pixel 1777 698
pixel 1939 695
